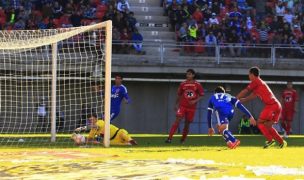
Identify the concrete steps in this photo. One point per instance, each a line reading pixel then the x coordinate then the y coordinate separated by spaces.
pixel 146 10
pixel 158 19
pixel 154 34
pixel 144 3
pixel 153 26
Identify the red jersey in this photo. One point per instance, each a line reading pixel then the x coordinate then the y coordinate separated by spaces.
pixel 189 91
pixel 289 96
pixel 261 89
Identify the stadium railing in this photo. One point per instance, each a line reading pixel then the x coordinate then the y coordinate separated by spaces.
pixel 179 54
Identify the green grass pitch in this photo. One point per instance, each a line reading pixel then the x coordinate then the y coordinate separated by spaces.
pixel 201 157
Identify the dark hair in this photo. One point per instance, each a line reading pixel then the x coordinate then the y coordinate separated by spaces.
pixel 119 75
pixel 255 71
pixel 192 72
pixel 219 89
pixel 92 115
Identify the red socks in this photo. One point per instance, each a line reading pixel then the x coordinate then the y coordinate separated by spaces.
pixel 265 132
pixel 275 135
pixel 173 129
pixel 270 133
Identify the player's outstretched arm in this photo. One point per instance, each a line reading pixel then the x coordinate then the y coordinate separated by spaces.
pixel 248 98
pixel 79 129
pixel 241 107
pixel 242 94
pixel 209 119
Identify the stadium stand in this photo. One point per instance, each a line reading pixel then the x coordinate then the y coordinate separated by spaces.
pixel 236 21
pixel 48 14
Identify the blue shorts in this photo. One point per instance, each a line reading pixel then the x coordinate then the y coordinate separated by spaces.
pixel 223 119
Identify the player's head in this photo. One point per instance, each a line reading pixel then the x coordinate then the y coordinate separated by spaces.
pixel 118 79
pixel 219 89
pixel 190 74
pixel 289 85
pixel 92 119
pixel 254 72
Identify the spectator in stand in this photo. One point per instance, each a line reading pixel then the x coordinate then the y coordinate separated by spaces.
pixel 76 18
pixel 198 15
pixel 57 10
pixel 137 40
pixel 263 33
pixel 288 16
pixel 89 12
pixel 297 31
pixel 210 41
pixel 235 13
pixel 280 9
pixel 183 35
pixel 276 25
pixel 131 21
pixel 216 7
pixel 19 25
pixel 185 13
pixel 213 19
pixel 233 40
pixel 47 10
pixel 116 39
pixel 123 6
pixel 192 32
pixel 125 40
pixel 249 23
pixel 201 3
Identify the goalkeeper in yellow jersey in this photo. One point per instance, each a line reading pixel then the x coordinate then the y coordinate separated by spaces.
pixel 117 136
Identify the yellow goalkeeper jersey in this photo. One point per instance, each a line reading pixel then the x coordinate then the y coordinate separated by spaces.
pixel 99 129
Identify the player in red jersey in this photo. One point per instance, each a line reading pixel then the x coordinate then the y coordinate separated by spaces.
pixel 272 110
pixel 289 99
pixel 188 94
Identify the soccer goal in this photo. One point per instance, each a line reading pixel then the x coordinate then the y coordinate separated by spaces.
pixel 51 80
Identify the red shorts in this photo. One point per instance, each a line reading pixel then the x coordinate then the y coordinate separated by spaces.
pixel 271 112
pixel 287 115
pixel 187 113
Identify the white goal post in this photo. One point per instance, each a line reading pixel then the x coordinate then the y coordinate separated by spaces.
pixel 50 80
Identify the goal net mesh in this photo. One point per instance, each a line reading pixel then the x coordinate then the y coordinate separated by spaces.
pixel 27 73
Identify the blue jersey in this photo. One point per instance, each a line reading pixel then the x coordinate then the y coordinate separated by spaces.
pixel 223 105
pixel 117 95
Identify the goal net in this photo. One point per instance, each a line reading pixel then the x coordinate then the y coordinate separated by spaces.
pixel 51 80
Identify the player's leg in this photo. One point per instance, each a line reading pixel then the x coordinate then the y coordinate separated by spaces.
pixel 264 128
pixel 113 115
pixel 276 113
pixel 265 114
pixel 189 116
pixel 231 141
pixel 283 121
pixel 124 137
pixel 268 117
pixel 185 131
pixel 180 113
pixel 289 118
